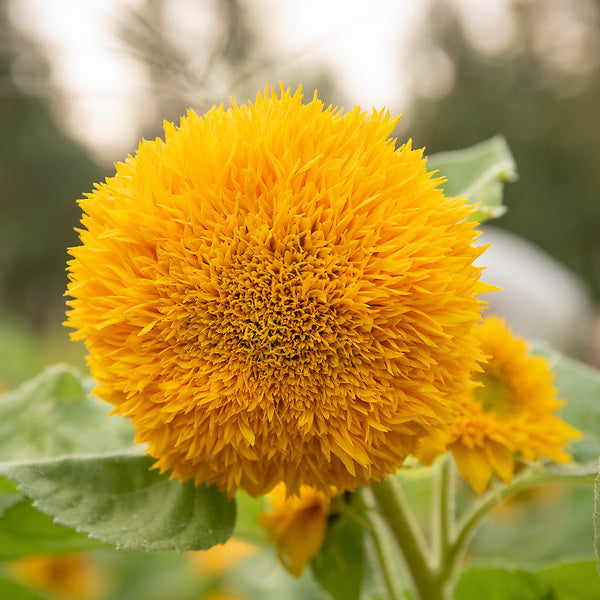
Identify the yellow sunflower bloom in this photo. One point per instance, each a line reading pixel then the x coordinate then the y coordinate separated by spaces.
pixel 509 414
pixel 297 524
pixel 276 293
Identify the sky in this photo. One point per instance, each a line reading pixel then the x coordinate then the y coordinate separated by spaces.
pixel 364 43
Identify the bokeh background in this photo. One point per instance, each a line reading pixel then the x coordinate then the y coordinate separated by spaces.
pixel 81 81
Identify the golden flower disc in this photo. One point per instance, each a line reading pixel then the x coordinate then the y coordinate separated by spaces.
pixel 276 293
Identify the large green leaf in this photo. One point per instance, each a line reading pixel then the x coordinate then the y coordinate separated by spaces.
pixel 7 487
pixel 119 499
pixel 80 466
pixel 542 526
pixel 25 531
pixel 9 495
pixel 54 415
pixel 339 565
pixel 478 172
pixel 575 581
pixel 7 501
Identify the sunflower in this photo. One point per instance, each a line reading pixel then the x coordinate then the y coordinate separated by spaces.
pixel 275 292
pixel 509 414
pixel 297 524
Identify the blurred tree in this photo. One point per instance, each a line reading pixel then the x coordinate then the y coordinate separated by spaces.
pixel 198 53
pixel 42 173
pixel 542 91
pixel 193 52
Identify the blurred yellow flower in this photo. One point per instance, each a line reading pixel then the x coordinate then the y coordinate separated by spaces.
pixel 276 293
pixel 509 414
pixel 219 558
pixel 297 524
pixel 73 576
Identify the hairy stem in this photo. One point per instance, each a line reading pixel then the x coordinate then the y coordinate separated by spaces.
pixel 377 530
pixel 455 550
pixel 393 508
pixel 444 509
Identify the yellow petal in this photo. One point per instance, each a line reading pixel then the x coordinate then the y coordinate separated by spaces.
pixel 302 539
pixel 297 525
pixel 473 466
pixel 501 459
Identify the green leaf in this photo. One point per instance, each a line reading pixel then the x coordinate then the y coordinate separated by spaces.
pixel 120 499
pixel 80 466
pixel 574 581
pixel 25 531
pixel 339 565
pixel 7 486
pixel 7 501
pixel 479 173
pixel 9 495
pixel 13 590
pixel 53 415
pixel 544 526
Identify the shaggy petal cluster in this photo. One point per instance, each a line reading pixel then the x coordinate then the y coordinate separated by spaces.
pixel 297 524
pixel 275 292
pixel 510 413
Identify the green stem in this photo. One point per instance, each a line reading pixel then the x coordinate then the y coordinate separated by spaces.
pixel 444 508
pixel 393 508
pixel 434 580
pixel 376 529
pixel 451 561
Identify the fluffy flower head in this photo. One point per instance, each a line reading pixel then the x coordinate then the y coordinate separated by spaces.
pixel 275 292
pixel 510 413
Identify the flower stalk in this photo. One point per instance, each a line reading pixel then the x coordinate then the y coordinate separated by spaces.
pixel 434 572
pixel 483 505
pixel 444 509
pixel 384 552
pixel 405 529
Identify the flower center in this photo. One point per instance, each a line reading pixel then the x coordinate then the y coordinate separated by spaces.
pixel 278 312
pixel 495 394
pixel 275 308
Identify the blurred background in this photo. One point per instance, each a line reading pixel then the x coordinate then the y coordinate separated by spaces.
pixel 82 80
